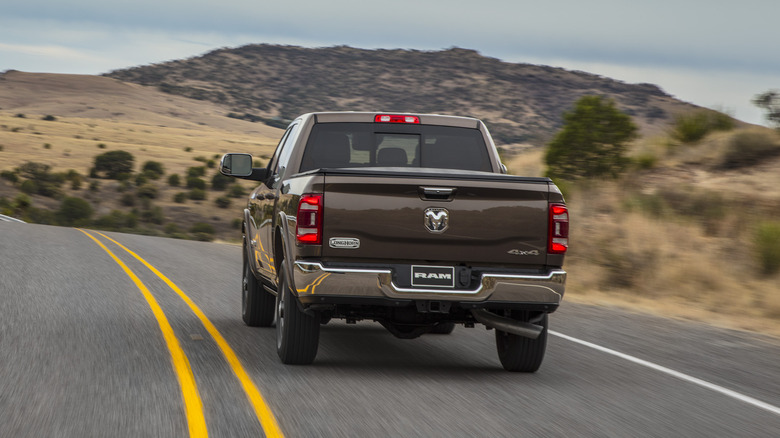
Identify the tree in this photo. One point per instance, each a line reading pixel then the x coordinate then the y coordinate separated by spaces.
pixel 592 142
pixel 114 164
pixel 770 101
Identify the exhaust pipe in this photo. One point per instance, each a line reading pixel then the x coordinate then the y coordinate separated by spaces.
pixel 509 325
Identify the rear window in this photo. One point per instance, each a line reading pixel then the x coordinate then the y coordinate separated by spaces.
pixel 338 145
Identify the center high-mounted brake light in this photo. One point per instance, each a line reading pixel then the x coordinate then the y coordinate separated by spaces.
pixel 559 229
pixel 308 228
pixel 396 118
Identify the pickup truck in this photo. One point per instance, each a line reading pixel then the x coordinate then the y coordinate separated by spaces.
pixel 409 220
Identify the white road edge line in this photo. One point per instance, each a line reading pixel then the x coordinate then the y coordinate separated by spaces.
pixel 711 386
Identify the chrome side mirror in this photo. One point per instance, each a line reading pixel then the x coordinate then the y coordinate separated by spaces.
pixel 238 165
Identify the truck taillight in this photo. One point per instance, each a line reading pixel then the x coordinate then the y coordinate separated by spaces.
pixel 396 118
pixel 559 229
pixel 308 229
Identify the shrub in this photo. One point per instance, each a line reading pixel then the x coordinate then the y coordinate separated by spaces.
pixel 749 148
pixel 222 202
pixel 197 194
pixel 114 164
pixel 188 149
pixel 220 181
pixel 128 200
pixel 101 145
pixel 153 215
pixel 174 180
pixel 196 171
pixel 74 211
pixel 236 191
pixel 153 169
pixel 116 220
pixel 148 191
pixel 49 118
pixel 236 223
pixel 29 186
pixel 195 183
pixel 10 176
pixel 203 231
pixel 47 145
pixel 141 179
pixel 180 198
pixel 692 127
pixel 94 186
pixel 767 243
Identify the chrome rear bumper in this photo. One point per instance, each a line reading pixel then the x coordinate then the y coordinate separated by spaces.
pixel 314 279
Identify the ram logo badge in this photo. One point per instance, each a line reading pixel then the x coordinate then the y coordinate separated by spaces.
pixel 437 219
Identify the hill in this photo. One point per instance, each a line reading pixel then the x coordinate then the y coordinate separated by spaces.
pixel 521 103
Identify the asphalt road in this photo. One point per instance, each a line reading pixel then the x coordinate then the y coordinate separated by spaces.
pixel 82 354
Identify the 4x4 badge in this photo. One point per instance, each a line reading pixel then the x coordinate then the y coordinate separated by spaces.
pixel 437 219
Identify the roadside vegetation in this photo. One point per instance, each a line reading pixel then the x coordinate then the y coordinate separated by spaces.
pixel 117 177
pixel 681 228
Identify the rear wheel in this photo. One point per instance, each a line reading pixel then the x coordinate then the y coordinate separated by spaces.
pixel 257 304
pixel 297 333
pixel 522 354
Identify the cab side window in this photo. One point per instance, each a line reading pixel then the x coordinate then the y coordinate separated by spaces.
pixel 278 164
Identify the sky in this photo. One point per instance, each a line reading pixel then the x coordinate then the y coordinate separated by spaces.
pixel 713 53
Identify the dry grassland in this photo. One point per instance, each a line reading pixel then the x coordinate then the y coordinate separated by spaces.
pixel 691 266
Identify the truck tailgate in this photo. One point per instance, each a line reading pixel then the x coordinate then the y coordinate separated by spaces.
pixel 435 217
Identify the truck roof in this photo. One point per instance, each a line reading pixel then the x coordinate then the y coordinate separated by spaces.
pixel 369 117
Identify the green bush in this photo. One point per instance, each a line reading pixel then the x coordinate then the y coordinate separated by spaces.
pixel 197 194
pixel 767 244
pixel 236 191
pixel 29 186
pixel 692 127
pixel 10 176
pixel 49 118
pixel 153 215
pixel 220 181
pixel 174 180
pixel 222 202
pixel 74 211
pixel 148 191
pixel 127 199
pixel 197 171
pixel 180 198
pixel 748 149
pixel 116 221
pixel 194 182
pixel 203 231
pixel 153 169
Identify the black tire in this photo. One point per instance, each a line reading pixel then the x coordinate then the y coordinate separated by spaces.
pixel 297 333
pixel 520 354
pixel 443 328
pixel 257 304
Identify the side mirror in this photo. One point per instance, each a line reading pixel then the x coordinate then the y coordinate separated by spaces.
pixel 238 165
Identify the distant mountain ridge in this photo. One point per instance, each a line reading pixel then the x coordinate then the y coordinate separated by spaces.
pixel 521 103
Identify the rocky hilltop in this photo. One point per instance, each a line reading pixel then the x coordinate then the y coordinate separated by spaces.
pixel 521 103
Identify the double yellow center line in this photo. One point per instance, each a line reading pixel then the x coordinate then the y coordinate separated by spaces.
pixel 192 402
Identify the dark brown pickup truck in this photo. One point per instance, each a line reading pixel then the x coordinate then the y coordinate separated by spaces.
pixel 407 220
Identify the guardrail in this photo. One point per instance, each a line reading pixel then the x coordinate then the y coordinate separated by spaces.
pixel 10 219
